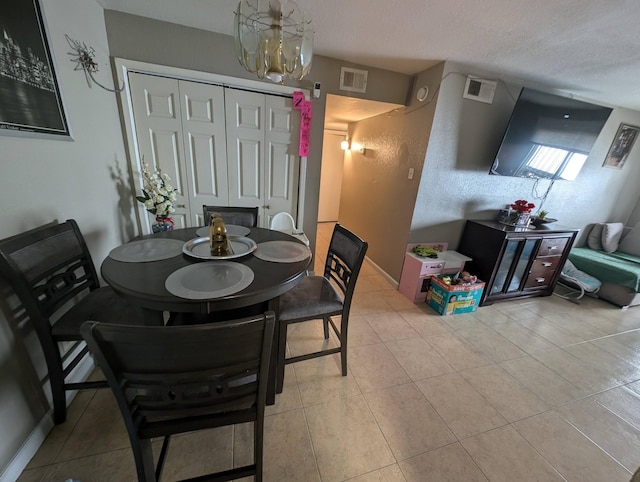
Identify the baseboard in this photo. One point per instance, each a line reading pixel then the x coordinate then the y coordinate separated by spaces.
pixel 383 273
pixel 37 436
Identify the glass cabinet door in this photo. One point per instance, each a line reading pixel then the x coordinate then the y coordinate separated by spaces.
pixel 504 267
pixel 521 272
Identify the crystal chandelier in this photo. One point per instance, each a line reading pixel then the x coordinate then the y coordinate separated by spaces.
pixel 274 39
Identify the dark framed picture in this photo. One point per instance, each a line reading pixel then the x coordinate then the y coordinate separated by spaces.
pixel 30 100
pixel 621 146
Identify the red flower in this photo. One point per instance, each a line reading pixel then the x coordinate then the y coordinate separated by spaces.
pixel 522 206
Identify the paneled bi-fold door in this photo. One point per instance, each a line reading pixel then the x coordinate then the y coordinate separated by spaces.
pixel 262 149
pixel 186 127
pixel 180 128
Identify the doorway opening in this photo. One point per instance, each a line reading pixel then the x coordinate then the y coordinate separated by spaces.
pixel 339 113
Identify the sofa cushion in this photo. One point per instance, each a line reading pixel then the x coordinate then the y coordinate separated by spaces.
pixel 630 244
pixel 594 241
pixel 611 233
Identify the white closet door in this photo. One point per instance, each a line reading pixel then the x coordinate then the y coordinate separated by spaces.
pixel 158 126
pixel 281 157
pixel 203 122
pixel 262 152
pixel 245 147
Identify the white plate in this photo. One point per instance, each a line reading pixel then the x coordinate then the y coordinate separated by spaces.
pixel 199 248
pixel 145 250
pixel 282 251
pixel 233 231
pixel 203 281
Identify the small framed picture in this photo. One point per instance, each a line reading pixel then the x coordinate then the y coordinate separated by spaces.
pixel 621 146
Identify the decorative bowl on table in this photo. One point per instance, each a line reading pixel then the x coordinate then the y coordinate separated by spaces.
pixel 536 221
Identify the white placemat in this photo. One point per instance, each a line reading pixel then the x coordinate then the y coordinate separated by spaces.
pixel 145 250
pixel 233 231
pixel 282 251
pixel 208 280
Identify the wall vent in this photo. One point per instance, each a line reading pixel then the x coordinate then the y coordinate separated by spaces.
pixel 479 89
pixel 353 80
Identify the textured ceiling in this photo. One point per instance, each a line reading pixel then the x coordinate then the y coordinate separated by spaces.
pixel 590 48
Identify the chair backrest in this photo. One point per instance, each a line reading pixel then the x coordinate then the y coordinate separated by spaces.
pixel 344 260
pixel 47 267
pixel 283 222
pixel 240 216
pixel 165 378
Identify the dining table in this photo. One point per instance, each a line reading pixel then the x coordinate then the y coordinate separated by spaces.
pixel 173 272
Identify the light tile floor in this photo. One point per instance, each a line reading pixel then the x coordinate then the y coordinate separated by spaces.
pixel 541 389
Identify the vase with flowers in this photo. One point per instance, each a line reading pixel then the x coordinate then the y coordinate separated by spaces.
pixel 521 212
pixel 158 197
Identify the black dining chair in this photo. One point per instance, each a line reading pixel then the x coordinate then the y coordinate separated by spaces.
pixel 51 271
pixel 241 216
pixel 321 297
pixel 178 379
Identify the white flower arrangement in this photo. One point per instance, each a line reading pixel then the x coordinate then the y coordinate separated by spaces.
pixel 158 195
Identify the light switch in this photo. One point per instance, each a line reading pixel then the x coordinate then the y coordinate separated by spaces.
pixel 410 176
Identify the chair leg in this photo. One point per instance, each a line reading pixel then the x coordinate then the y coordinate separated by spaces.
pixel 282 354
pixel 325 323
pixel 258 441
pixel 56 380
pixel 143 456
pixel 343 344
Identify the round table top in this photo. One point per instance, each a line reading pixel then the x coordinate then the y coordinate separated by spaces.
pixel 144 282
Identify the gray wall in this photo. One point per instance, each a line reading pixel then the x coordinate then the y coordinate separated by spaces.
pixel 147 40
pixel 43 179
pixel 377 198
pixel 456 186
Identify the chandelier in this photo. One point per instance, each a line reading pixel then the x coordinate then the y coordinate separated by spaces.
pixel 274 39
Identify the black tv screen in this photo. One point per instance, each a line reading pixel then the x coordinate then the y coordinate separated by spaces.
pixel 548 136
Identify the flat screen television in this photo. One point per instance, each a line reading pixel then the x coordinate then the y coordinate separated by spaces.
pixel 548 136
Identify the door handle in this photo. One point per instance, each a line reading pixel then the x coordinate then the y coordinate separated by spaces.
pixel 182 206
pixel 266 207
pixel 547 264
pixel 539 280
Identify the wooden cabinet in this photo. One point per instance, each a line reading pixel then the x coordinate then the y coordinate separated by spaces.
pixel 515 262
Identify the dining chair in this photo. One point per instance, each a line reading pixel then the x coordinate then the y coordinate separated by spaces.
pixel 321 297
pixel 241 216
pixel 178 379
pixel 51 271
pixel 285 223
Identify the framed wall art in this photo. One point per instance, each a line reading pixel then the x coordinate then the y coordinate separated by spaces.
pixel 621 146
pixel 30 100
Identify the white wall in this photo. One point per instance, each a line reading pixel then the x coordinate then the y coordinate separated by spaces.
pixel 42 180
pixel 331 176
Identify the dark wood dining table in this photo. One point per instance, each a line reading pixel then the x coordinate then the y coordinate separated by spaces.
pixel 143 283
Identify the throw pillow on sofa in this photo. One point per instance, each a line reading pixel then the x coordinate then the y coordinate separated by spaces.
pixel 630 244
pixel 594 241
pixel 611 233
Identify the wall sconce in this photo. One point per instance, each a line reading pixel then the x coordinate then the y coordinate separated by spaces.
pixel 358 148
pixel 352 146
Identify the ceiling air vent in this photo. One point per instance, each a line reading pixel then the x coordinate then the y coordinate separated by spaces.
pixel 353 80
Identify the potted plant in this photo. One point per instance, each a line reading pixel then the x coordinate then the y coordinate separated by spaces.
pixel 521 214
pixel 158 198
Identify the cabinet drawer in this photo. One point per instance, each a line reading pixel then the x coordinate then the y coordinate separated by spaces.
pixel 542 272
pixel 431 268
pixel 552 246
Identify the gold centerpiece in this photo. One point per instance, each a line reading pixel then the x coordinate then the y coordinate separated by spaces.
pixel 218 239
